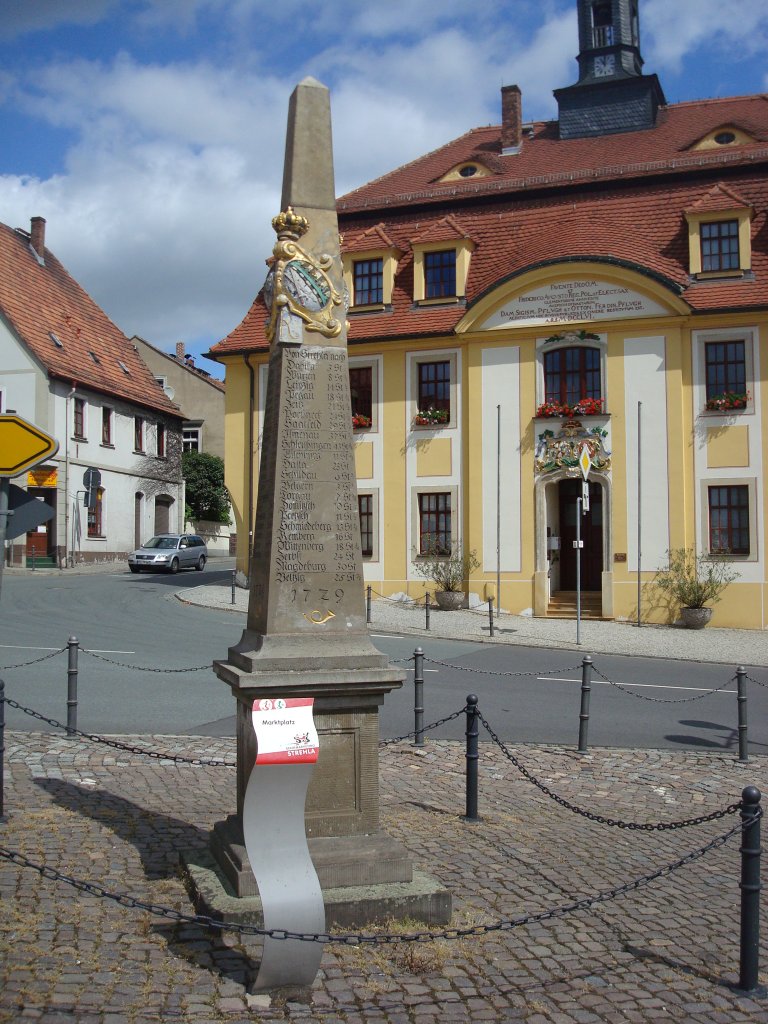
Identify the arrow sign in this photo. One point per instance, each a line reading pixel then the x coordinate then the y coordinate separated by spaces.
pixel 29 512
pixel 22 445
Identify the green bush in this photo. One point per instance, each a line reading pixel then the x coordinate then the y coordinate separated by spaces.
pixel 447 571
pixel 692 580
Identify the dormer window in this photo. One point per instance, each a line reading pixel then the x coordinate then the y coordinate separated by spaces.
pixel 720 245
pixel 368 276
pixel 440 274
pixel 719 234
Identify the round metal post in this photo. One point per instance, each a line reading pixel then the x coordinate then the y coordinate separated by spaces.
pixel 72 649
pixel 418 696
pixel 741 700
pixel 750 889
pixel 426 612
pixel 586 689
pixel 472 757
pixel 2 749
pixel 234 583
pixel 368 604
pixel 490 615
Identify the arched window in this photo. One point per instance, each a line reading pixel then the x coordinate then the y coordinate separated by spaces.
pixel 571 374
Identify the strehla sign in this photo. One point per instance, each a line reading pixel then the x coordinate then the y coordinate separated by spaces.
pixel 276 840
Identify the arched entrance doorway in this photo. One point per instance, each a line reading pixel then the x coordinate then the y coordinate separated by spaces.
pixel 591 529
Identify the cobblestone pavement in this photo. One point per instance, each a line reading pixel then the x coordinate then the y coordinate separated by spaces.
pixel 665 952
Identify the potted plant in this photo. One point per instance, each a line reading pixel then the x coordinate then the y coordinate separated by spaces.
pixel 360 421
pixel 692 581
pixel 448 570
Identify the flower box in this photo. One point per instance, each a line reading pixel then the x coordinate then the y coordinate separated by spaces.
pixel 360 422
pixel 584 407
pixel 727 402
pixel 431 417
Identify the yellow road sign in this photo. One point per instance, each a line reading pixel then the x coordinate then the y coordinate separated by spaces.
pixel 22 445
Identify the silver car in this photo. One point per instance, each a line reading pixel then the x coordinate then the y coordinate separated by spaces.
pixel 171 552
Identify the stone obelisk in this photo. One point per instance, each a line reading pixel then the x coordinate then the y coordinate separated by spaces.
pixel 306 633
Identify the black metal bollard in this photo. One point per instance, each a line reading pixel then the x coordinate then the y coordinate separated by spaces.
pixel 368 604
pixel 234 584
pixel 72 645
pixel 586 689
pixel 741 701
pixel 750 889
pixel 418 696
pixel 2 749
pixel 472 757
pixel 426 612
pixel 490 615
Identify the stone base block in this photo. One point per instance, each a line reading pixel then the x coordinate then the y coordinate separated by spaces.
pixel 339 860
pixel 423 898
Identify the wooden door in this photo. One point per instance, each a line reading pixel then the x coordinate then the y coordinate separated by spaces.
pixel 591 535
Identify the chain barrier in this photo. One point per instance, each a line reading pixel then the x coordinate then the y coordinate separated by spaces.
pixel 401 604
pixel 144 668
pixel 758 681
pixel 35 661
pixel 661 700
pixel 490 672
pixel 359 939
pixel 426 728
pixel 664 826
pixel 94 738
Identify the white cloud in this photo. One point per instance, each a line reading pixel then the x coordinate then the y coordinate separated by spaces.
pixel 22 16
pixel 676 30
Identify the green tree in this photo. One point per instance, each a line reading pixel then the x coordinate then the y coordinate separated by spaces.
pixel 207 497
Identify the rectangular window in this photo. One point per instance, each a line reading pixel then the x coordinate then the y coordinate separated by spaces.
pixel 368 282
pixel 729 519
pixel 365 509
pixel 138 434
pixel 726 368
pixel 106 426
pixel 720 245
pixel 435 523
pixel 95 522
pixel 361 391
pixel 160 441
pixel 434 386
pixel 440 274
pixel 190 439
pixel 79 421
pixel 571 374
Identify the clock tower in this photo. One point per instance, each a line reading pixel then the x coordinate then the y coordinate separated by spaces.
pixel 612 94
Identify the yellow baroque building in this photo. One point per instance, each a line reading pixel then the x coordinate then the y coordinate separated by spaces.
pixel 531 291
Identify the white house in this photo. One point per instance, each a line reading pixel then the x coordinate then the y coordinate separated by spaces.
pixel 65 367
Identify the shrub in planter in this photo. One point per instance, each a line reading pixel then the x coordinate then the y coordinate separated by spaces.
pixel 692 581
pixel 448 571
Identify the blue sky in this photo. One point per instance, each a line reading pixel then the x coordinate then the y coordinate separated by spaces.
pixel 150 133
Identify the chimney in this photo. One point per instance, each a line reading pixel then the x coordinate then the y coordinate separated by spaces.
pixel 37 236
pixel 180 349
pixel 511 119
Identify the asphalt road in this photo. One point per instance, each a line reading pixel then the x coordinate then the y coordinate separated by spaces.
pixel 138 631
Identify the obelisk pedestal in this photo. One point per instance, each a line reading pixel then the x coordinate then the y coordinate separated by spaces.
pixel 306 634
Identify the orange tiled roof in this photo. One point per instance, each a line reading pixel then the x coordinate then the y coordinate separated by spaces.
pixel 371 238
pixel 447 229
pixel 42 299
pixel 619 199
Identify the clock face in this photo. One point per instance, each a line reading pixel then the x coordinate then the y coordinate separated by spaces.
pixel 604 65
pixel 306 285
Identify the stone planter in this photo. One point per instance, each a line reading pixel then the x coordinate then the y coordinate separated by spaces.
pixel 695 618
pixel 450 600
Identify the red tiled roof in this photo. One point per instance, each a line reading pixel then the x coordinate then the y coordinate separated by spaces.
pixel 546 160
pixel 446 230
pixel 613 199
pixel 42 299
pixel 372 238
pixel 719 197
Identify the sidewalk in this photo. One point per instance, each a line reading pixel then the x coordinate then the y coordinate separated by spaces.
pixel 726 646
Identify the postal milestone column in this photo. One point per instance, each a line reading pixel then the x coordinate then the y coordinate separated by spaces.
pixel 306 633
